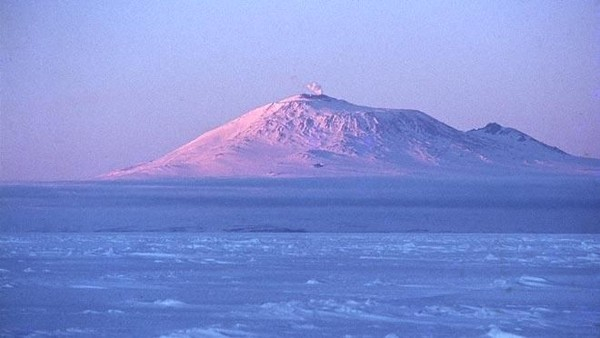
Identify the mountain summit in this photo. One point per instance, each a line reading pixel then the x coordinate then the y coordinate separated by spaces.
pixel 317 135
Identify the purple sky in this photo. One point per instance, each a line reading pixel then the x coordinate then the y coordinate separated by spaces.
pixel 91 86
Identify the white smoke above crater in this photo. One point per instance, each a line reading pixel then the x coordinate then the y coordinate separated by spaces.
pixel 315 88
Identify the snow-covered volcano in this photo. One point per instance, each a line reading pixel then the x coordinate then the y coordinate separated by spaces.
pixel 317 135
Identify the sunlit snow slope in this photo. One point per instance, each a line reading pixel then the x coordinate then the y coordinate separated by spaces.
pixel 317 135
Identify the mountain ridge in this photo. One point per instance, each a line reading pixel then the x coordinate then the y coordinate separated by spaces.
pixel 316 135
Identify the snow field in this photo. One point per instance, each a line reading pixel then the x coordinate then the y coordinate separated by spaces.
pixel 298 285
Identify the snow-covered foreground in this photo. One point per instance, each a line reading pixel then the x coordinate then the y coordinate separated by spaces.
pixel 299 285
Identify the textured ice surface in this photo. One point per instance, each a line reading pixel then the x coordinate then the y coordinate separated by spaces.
pixel 299 285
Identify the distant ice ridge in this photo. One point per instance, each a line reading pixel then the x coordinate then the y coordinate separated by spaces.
pixel 214 332
pixel 169 303
pixel 495 332
pixel 317 135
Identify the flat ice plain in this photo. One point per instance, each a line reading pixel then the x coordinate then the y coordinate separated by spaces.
pixel 301 258
pixel 508 205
